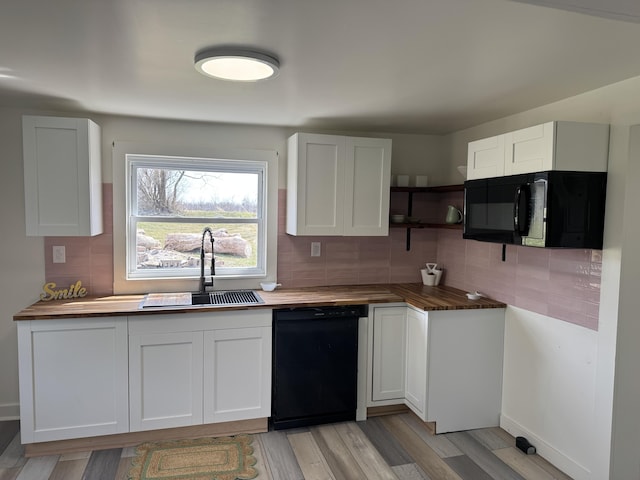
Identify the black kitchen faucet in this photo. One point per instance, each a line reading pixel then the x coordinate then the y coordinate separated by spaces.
pixel 204 284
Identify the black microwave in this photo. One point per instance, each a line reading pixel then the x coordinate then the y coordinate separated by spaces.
pixel 544 209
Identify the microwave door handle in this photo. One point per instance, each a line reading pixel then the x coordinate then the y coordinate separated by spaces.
pixel 521 209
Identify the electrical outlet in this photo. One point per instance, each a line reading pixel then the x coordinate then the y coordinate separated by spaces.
pixel 315 249
pixel 59 254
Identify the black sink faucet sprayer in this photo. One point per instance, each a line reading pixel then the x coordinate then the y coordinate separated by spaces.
pixel 204 284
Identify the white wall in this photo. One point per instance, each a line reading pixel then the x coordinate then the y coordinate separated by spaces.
pixel 619 105
pixel 21 258
pixel 550 374
pixel 626 419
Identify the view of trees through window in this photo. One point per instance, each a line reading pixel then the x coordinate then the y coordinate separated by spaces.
pixel 173 203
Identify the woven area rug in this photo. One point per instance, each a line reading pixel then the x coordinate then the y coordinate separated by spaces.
pixel 225 458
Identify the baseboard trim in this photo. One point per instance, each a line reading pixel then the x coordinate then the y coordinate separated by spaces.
pixel 10 411
pixel 121 440
pixel 546 451
pixel 386 410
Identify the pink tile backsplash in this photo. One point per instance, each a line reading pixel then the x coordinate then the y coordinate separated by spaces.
pixel 352 260
pixel 88 259
pixel 562 284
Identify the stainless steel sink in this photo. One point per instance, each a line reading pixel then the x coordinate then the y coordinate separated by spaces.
pixel 228 297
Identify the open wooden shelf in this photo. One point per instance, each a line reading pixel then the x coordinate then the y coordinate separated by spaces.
pixel 454 226
pixel 438 189
pixel 413 190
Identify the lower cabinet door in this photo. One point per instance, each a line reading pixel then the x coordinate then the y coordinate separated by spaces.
pixel 389 357
pixel 237 374
pixel 73 378
pixel 416 380
pixel 165 380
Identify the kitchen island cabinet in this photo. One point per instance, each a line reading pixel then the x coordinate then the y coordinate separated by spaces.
pixel 73 378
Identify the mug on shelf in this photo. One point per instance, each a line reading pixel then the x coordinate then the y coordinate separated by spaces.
pixel 453 215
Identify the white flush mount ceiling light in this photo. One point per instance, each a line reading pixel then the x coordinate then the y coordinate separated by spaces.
pixel 236 64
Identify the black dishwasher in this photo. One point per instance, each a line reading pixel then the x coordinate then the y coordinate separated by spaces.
pixel 315 365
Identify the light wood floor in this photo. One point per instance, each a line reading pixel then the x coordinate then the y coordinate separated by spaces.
pixel 397 447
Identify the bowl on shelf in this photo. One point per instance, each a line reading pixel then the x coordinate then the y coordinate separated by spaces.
pixel 398 218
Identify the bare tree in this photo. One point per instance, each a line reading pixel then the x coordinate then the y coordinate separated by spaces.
pixel 159 191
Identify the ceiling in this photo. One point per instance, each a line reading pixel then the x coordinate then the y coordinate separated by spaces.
pixel 412 66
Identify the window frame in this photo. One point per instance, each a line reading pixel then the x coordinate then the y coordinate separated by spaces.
pixel 136 161
pixel 214 144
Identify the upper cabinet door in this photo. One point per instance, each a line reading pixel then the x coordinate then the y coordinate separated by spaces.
pixel 62 176
pixel 530 149
pixel 367 181
pixel 485 158
pixel 315 185
pixel 338 185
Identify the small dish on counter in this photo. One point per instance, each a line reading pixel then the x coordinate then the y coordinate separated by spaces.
pixel 474 295
pixel 269 286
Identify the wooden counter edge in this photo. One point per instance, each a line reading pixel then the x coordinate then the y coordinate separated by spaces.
pixel 414 294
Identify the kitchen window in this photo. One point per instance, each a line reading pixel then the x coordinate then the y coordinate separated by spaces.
pixel 171 199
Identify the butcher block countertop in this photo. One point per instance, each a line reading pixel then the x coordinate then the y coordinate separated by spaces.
pixel 414 294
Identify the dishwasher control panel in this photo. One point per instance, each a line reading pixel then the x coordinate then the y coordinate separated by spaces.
pixel 306 313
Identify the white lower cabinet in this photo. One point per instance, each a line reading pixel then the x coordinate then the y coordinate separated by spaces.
pixel 86 377
pixel 453 364
pixel 389 358
pixel 237 374
pixel 165 378
pixel 199 368
pixel 417 362
pixel 73 378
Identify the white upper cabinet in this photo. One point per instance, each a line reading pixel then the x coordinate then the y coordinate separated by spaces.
pixel 338 185
pixel 62 176
pixel 486 158
pixel 550 146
